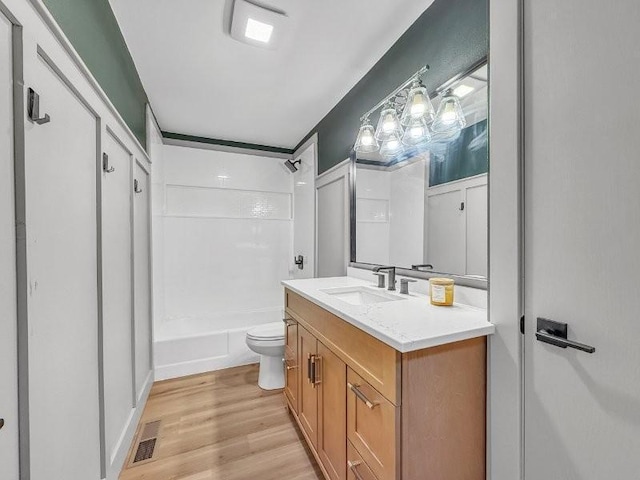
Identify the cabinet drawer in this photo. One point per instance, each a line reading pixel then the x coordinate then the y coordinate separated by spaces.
pixel 378 363
pixel 373 427
pixel 357 469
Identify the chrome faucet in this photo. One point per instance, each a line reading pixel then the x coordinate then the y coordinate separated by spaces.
pixel 392 275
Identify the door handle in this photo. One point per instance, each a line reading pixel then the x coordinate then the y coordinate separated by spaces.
pixel 361 396
pixel 555 333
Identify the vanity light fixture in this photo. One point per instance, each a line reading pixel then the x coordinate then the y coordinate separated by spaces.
pixel 366 141
pixel 450 117
pixel 416 133
pixel 389 124
pixel 418 105
pixel 392 146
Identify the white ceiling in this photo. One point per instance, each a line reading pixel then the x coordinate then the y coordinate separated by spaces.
pixel 202 82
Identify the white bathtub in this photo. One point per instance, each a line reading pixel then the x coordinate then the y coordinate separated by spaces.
pixel 186 346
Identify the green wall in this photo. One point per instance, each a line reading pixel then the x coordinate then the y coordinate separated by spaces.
pixel 92 28
pixel 450 36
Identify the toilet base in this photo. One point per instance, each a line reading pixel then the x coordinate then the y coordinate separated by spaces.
pixel 271 376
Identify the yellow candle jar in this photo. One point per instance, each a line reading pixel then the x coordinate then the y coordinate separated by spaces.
pixel 441 291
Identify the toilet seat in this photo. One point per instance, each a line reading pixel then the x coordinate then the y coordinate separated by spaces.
pixel 269 332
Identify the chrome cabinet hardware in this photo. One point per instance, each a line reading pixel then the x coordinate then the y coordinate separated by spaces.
pixel 105 164
pixel 353 466
pixel 136 187
pixel 380 279
pixel 299 261
pixel 361 396
pixel 33 108
pixel 555 333
pixel 404 285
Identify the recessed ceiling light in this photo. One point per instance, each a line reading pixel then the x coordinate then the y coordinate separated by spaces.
pixel 463 90
pixel 258 26
pixel 258 31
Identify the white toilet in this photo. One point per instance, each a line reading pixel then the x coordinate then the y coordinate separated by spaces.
pixel 268 341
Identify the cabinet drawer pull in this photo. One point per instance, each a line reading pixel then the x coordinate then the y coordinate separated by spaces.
pixel 317 372
pixel 287 366
pixel 289 322
pixel 353 466
pixel 361 396
pixel 309 367
pixel 312 378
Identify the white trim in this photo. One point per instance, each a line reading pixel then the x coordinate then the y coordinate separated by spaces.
pixel 340 165
pixel 53 26
pixel 505 427
pixel 224 148
pixel 117 460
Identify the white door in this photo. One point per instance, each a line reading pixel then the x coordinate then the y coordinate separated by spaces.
pixel 117 292
pixel 446 232
pixel 61 222
pixel 8 320
pixel 582 238
pixel 304 213
pixel 142 285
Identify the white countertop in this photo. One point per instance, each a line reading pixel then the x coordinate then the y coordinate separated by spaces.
pixel 409 324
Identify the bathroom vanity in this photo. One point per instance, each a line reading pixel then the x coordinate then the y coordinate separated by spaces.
pixel 386 386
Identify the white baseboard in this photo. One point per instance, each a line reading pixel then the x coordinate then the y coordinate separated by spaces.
pixel 124 444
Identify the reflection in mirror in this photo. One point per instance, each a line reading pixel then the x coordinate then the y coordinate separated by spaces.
pixel 427 204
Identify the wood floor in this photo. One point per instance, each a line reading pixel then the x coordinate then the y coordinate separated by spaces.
pixel 222 426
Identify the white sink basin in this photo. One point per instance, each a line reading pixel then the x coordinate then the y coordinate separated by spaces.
pixel 360 295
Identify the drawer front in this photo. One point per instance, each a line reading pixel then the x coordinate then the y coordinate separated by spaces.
pixel 357 469
pixel 375 361
pixel 291 377
pixel 373 427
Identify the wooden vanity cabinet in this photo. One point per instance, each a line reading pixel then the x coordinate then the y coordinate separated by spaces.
pixel 369 412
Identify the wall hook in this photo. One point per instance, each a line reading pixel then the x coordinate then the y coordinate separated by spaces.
pixel 136 187
pixel 299 261
pixel 33 108
pixel 105 164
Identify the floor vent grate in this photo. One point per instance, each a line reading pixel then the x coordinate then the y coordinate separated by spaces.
pixel 147 441
pixel 145 450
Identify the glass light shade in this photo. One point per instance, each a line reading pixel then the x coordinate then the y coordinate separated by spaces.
pixel 366 141
pixel 418 105
pixel 392 146
pixel 416 133
pixel 388 125
pixel 450 117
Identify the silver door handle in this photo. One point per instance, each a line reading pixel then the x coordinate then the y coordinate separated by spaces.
pixel 555 333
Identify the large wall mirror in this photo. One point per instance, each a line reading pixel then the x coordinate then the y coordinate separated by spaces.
pixel 424 207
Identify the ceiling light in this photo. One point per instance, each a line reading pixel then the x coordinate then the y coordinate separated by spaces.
pixel 259 26
pixel 258 31
pixel 463 90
